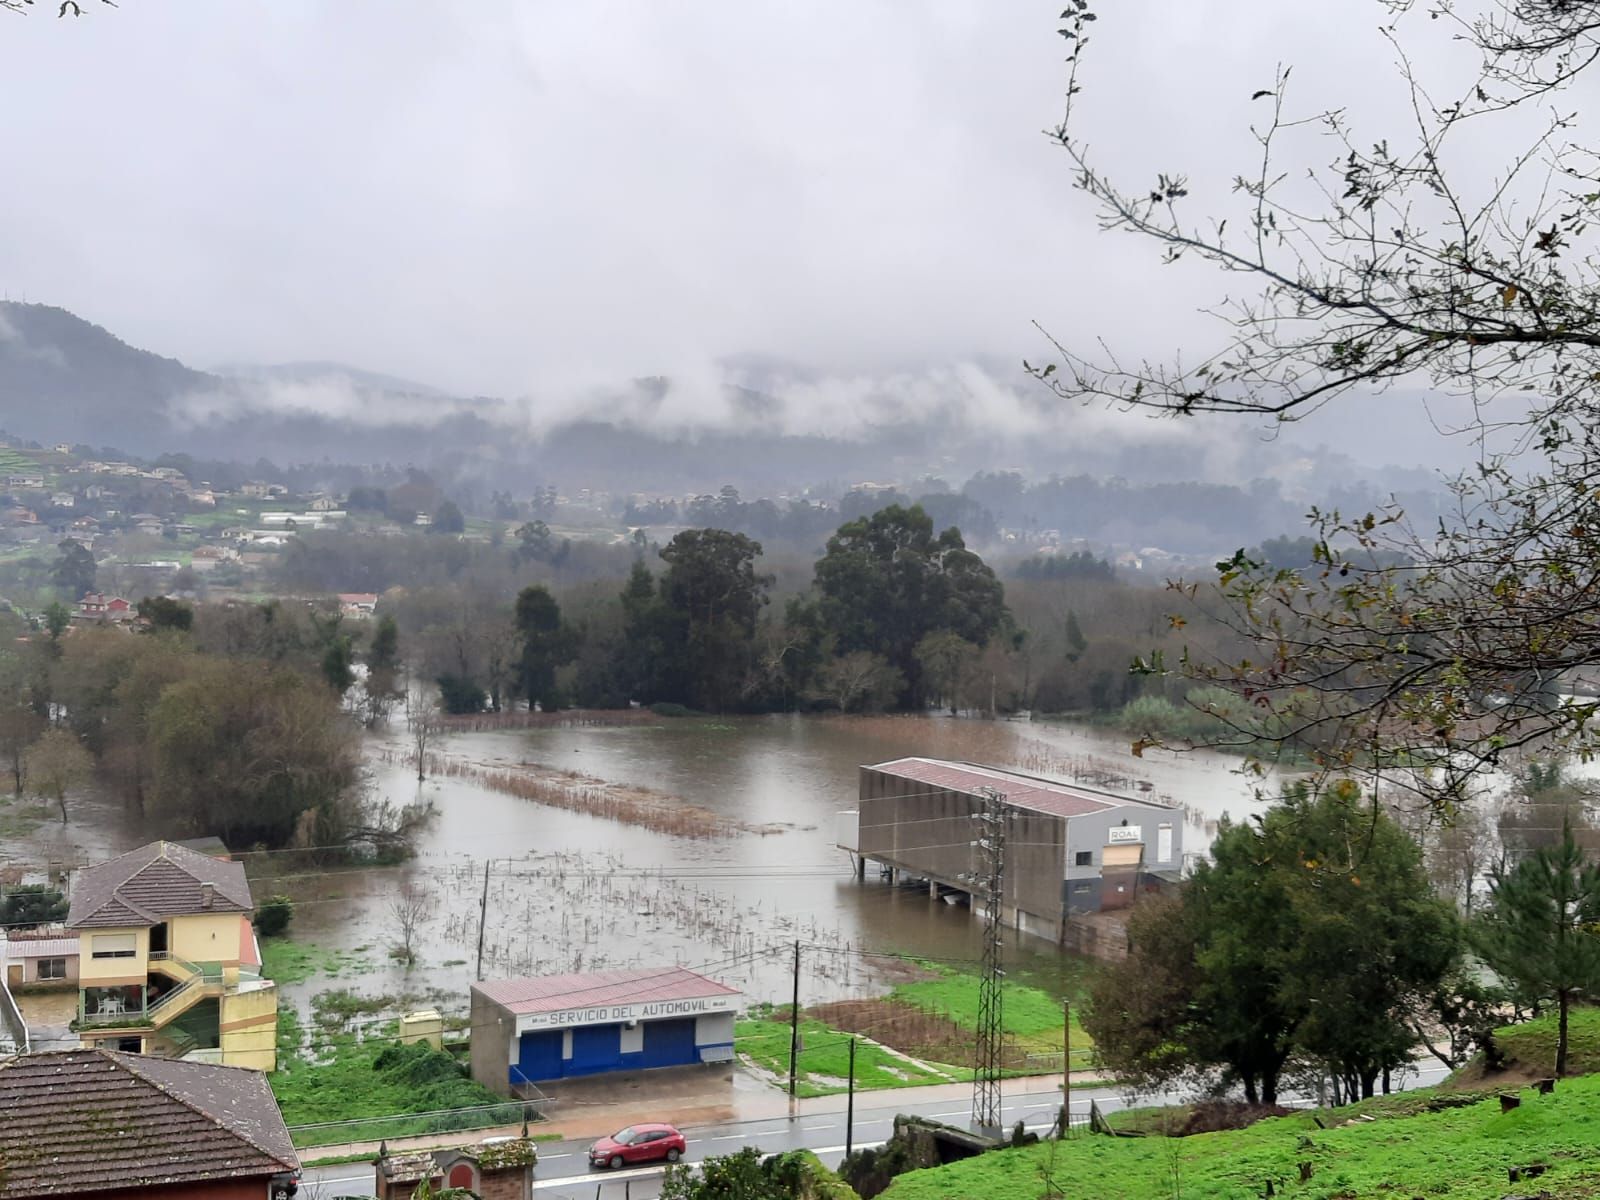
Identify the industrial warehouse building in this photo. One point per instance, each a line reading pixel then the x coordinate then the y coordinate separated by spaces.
pixel 527 1031
pixel 1069 849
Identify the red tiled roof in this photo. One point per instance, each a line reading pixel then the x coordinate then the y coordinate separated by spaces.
pixel 551 993
pixel 144 886
pixel 77 1122
pixel 1025 791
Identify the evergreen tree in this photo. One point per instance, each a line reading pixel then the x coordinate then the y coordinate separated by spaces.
pixel 30 905
pixel 162 612
pixel 74 572
pixel 546 644
pixel 887 581
pixel 1539 930
pixel 1311 937
pixel 383 668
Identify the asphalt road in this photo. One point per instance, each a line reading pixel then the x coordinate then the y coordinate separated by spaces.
pixel 564 1173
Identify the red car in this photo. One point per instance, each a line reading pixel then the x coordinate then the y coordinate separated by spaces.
pixel 636 1144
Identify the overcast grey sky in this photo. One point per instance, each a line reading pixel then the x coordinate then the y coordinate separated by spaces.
pixel 516 197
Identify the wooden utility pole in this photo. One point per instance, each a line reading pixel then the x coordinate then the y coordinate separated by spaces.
pixel 483 915
pixel 850 1105
pixel 794 1023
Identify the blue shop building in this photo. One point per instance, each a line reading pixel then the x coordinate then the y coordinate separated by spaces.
pixel 527 1031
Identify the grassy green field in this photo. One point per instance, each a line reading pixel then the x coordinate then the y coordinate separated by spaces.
pixel 1030 1014
pixel 825 1058
pixel 345 1082
pixel 1531 1045
pixel 1032 1017
pixel 15 461
pixel 1460 1152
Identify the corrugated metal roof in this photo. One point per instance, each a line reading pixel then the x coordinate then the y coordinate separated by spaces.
pixel 56 947
pixel 1024 791
pixel 551 993
pixel 79 1122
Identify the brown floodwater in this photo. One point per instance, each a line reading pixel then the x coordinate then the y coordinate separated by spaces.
pixel 570 892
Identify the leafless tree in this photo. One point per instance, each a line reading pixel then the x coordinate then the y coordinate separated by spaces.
pixel 859 679
pixel 63 8
pixel 422 723
pixel 409 910
pixel 1392 266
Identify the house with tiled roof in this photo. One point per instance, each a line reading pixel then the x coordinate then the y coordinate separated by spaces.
pixel 98 608
pixel 104 1124
pixel 168 961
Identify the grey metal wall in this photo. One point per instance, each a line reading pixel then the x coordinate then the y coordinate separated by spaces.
pixel 929 831
pixel 1087 887
pixel 1092 831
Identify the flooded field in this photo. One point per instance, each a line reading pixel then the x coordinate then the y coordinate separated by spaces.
pixel 756 872
pixel 751 870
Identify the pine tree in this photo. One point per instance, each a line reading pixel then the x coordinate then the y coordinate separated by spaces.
pixel 1539 931
pixel 1076 642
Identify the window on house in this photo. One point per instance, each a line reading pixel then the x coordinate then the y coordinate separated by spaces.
pixel 1085 858
pixel 1078 888
pixel 114 945
pixel 52 968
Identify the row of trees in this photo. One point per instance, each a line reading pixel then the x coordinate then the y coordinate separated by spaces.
pixel 1312 944
pixel 233 719
pixel 895 615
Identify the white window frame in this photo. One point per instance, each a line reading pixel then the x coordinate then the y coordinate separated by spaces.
pixel 114 945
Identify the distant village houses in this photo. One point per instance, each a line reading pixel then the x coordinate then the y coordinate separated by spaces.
pixel 99 609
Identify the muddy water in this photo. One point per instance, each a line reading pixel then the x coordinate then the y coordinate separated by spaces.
pixel 571 892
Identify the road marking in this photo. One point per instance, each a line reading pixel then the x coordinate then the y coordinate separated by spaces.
pixel 552 1157
pixel 600 1177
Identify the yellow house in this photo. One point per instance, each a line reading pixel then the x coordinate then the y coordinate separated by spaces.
pixel 168 962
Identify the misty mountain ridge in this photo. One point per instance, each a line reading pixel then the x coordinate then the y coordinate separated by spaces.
pixel 311 372
pixel 64 379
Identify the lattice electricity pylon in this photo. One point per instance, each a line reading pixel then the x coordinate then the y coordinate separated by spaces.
pixel 990 872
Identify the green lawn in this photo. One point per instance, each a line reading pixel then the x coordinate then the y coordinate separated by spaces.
pixel 1461 1152
pixel 1532 1044
pixel 825 1058
pixel 1029 1014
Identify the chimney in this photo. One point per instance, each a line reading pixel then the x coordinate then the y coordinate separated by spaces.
pixel 208 892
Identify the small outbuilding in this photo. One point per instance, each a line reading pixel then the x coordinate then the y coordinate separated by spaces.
pixel 527 1031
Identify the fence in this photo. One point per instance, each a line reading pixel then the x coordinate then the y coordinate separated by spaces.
pixel 1046 1063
